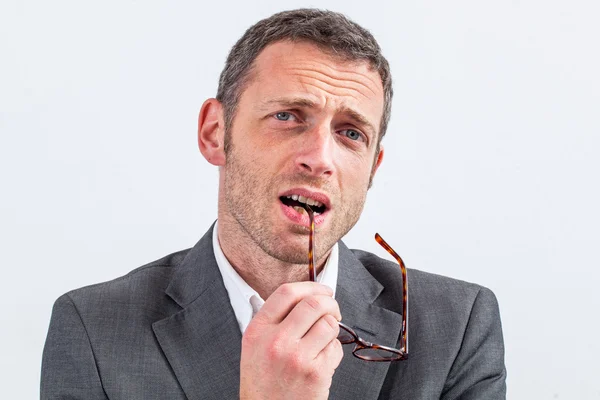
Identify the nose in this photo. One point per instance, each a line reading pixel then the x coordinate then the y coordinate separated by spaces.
pixel 315 153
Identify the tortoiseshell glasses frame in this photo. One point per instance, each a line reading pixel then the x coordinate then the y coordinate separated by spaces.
pixel 366 350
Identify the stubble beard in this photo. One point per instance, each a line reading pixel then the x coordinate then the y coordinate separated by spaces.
pixel 245 190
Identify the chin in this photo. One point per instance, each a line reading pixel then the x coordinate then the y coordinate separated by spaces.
pixel 289 253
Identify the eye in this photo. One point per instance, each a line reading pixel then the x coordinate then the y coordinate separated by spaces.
pixel 352 134
pixel 283 116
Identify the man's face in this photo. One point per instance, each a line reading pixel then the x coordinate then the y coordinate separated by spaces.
pixel 306 125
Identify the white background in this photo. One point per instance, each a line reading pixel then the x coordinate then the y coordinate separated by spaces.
pixel 490 175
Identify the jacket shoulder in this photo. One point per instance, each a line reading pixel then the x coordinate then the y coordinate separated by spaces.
pixel 145 282
pixel 386 271
pixel 442 298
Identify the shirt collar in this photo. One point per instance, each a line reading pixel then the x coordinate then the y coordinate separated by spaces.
pixel 244 300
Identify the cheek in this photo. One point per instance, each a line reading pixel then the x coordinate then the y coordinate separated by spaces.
pixel 356 172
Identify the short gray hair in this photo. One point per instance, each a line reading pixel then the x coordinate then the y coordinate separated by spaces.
pixel 331 31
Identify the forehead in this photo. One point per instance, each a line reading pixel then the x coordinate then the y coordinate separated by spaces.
pixel 303 69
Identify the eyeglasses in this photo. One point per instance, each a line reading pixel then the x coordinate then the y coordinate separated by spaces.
pixel 366 350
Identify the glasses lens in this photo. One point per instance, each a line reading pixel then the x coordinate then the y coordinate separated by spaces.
pixel 377 354
pixel 345 336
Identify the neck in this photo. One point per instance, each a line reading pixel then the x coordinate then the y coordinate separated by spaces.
pixel 261 271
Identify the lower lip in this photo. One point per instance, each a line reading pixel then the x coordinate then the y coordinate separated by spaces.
pixel 301 219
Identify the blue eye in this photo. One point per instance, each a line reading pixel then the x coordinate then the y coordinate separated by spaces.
pixel 283 116
pixel 351 134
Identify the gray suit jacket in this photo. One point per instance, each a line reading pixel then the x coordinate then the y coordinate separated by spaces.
pixel 167 331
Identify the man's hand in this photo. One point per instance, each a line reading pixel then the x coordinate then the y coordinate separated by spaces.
pixel 290 348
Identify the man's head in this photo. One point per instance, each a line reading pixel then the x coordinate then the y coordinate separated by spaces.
pixel 332 32
pixel 296 118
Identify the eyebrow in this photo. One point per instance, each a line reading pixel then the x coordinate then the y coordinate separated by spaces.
pixel 303 102
pixel 289 102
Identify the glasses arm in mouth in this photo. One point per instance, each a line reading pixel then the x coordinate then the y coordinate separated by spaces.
pixel 311 243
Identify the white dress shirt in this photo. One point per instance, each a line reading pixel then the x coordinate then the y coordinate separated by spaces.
pixel 245 301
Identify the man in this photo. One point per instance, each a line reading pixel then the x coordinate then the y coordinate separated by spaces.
pixel 302 105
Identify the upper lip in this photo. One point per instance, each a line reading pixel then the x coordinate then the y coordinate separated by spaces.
pixel 320 197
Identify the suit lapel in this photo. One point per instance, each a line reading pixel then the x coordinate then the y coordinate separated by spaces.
pixel 202 342
pixel 356 293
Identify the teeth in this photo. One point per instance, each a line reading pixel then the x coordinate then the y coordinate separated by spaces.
pixel 301 210
pixel 305 200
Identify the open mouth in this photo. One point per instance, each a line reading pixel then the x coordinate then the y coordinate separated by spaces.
pixel 299 204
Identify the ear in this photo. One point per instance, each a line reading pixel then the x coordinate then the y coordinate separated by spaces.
pixel 379 160
pixel 376 164
pixel 211 132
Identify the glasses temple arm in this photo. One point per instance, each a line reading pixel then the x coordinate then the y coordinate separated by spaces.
pixel 404 332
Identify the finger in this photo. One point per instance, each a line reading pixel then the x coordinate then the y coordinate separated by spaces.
pixel 331 356
pixel 319 336
pixel 287 296
pixel 307 312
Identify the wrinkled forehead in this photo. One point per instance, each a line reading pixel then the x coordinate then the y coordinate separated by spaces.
pixel 303 68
